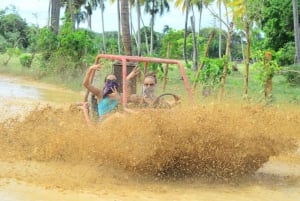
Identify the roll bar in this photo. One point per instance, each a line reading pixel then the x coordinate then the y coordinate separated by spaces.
pixel 146 60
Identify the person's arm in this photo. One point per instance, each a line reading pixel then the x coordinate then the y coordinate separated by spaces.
pixel 135 71
pixel 87 81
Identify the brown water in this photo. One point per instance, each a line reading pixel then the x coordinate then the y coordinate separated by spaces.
pixel 212 152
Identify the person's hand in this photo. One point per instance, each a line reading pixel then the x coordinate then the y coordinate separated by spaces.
pixel 115 94
pixel 135 71
pixel 95 67
pixel 177 98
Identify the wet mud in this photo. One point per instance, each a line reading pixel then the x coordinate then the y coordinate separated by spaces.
pixel 213 142
pixel 215 152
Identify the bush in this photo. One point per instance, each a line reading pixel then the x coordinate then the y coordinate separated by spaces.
pixel 25 60
pixel 292 74
pixel 286 55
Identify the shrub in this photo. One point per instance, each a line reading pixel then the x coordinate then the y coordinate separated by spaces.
pixel 286 55
pixel 292 74
pixel 25 60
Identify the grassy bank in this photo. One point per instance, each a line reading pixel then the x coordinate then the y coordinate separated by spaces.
pixel 14 68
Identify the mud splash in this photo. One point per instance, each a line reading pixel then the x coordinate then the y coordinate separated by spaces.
pixel 212 142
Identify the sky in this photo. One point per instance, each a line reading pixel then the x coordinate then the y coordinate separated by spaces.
pixel 36 12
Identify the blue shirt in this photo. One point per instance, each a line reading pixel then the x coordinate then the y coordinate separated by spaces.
pixel 106 105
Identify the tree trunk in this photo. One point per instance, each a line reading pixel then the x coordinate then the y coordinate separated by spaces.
pixel 296 30
pixel 146 38
pixel 225 69
pixel 70 11
pixel 151 33
pixel 247 60
pixel 119 27
pixel 138 7
pixel 152 27
pixel 166 69
pixel 200 20
pixel 54 16
pixel 103 31
pixel 269 75
pixel 220 32
pixel 89 21
pixel 195 49
pixel 242 46
pixel 185 29
pixel 211 36
pixel 125 27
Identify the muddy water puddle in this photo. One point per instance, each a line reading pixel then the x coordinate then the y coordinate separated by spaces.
pixel 14 87
pixel 212 152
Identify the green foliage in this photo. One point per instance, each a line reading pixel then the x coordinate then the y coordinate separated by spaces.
pixel 175 40
pixel 292 74
pixel 13 51
pixel 25 60
pixel 13 29
pixel 264 68
pixel 277 23
pixel 73 43
pixel 33 34
pixel 47 43
pixel 3 44
pixel 211 74
pixel 286 55
pixel 214 47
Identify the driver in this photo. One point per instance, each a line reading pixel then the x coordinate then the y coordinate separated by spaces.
pixel 148 89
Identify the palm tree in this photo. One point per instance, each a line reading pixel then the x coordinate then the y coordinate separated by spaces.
pixel 119 23
pixel 153 7
pixel 185 8
pixel 89 12
pixel 187 5
pixel 125 27
pixel 92 5
pixel 72 7
pixel 80 16
pixel 102 7
pixel 54 13
pixel 138 10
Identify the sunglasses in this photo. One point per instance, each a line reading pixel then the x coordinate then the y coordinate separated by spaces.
pixel 149 84
pixel 110 80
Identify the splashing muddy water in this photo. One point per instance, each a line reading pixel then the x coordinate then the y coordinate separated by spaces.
pixel 211 152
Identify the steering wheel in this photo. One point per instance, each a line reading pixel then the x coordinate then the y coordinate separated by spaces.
pixel 160 102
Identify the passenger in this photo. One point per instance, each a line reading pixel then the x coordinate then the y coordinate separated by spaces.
pixel 107 98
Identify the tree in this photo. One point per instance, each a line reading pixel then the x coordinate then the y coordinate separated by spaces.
pixel 14 29
pixel 102 8
pixel 245 14
pixel 125 27
pixel 153 7
pixel 296 30
pixel 54 8
pixel 276 23
pixel 72 7
pixel 138 10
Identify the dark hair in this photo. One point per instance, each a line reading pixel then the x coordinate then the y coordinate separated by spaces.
pixel 105 79
pixel 152 75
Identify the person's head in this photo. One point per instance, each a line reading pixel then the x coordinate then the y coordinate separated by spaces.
pixel 110 77
pixel 110 84
pixel 149 85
